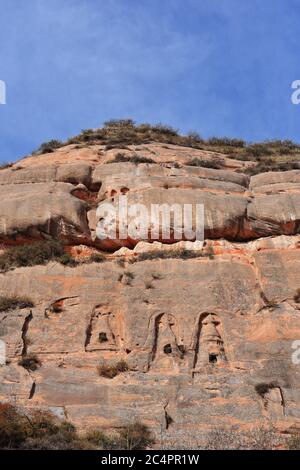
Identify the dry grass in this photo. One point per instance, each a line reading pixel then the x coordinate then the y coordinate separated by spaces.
pixel 110 371
pixel 119 133
pixel 170 254
pixel 15 302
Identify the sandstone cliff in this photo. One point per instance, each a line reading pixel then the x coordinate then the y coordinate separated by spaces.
pixel 207 339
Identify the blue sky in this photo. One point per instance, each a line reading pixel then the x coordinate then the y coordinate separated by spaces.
pixel 221 67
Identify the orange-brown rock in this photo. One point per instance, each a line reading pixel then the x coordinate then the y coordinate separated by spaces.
pixel 198 334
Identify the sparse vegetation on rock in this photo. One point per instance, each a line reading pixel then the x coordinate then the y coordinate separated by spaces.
pixel 42 252
pixel 263 388
pixel 33 254
pixel 215 164
pixel 48 147
pixel 110 371
pixel 136 159
pixel 273 155
pixel 255 439
pixel 15 302
pixel 169 254
pixel 30 362
pixel 135 436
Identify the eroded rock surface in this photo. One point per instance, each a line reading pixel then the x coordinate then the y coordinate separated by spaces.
pixel 198 335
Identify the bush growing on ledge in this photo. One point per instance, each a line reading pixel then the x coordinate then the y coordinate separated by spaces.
pixel 170 254
pixel 263 388
pixel 270 165
pixel 97 258
pixel 30 362
pixel 110 371
pixel 66 260
pixel 39 253
pixel 214 164
pixel 136 159
pixel 30 255
pixel 14 302
pixel 48 147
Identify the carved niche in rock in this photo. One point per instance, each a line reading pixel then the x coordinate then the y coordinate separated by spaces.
pixel 101 334
pixel 208 344
pixel 274 403
pixel 167 351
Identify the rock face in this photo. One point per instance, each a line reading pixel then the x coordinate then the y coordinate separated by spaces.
pixel 208 340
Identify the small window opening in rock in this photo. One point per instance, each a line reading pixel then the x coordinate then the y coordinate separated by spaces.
pixel 102 337
pixel 167 349
pixel 213 358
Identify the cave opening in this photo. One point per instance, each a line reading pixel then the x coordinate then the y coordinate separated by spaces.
pixel 213 358
pixel 103 337
pixel 168 349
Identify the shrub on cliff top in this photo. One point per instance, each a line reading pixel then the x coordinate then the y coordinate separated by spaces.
pixel 120 133
pixel 48 147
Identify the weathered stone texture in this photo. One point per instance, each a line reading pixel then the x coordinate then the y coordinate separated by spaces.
pixel 197 334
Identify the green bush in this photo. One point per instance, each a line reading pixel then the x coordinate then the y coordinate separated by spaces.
pixel 15 302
